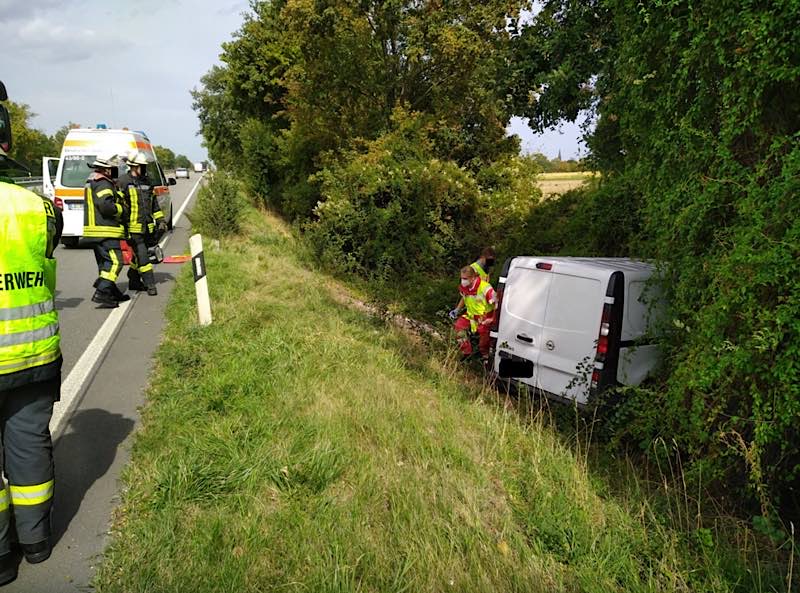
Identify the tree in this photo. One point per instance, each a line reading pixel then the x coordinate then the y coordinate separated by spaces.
pixel 183 161
pixel 696 127
pixel 30 145
pixel 165 156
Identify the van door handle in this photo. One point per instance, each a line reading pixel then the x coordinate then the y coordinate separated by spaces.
pixel 524 338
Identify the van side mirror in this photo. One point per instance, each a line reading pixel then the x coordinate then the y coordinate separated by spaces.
pixel 171 181
pixel 5 130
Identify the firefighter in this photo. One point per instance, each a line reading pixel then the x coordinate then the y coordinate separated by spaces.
pixel 30 372
pixel 103 217
pixel 479 298
pixel 145 220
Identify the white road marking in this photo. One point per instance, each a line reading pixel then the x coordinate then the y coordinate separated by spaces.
pixel 83 371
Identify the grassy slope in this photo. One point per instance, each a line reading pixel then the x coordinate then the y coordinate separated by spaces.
pixel 297 445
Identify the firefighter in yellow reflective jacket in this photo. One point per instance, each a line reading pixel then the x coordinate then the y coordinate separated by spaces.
pixel 103 214
pixel 145 222
pixel 30 371
pixel 479 298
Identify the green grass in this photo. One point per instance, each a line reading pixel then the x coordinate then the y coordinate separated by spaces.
pixel 298 445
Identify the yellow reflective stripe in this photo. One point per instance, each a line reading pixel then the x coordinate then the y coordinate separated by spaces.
pixel 104 232
pixel 158 214
pixel 146 268
pixel 88 199
pixel 116 266
pixel 119 209
pixel 13 367
pixel 31 495
pixel 134 194
pixel 4 500
pixel 105 192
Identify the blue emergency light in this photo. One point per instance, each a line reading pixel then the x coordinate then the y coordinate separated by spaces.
pixel 102 127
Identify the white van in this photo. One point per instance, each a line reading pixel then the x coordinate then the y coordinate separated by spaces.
pixel 81 147
pixel 571 326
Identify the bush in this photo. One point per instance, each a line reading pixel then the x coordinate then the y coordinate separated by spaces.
pixel 393 211
pixel 220 207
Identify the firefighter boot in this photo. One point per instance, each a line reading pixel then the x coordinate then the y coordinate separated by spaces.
pixel 104 299
pixel 118 295
pixel 135 281
pixel 38 552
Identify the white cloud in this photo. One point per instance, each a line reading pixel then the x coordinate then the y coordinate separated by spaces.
pixel 41 40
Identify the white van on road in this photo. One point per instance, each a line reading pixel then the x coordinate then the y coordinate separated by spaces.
pixel 572 326
pixel 81 147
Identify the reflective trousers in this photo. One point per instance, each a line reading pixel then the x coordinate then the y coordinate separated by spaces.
pixel 108 254
pixel 25 414
pixel 140 268
pixel 463 327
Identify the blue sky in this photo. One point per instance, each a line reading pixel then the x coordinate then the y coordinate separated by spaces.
pixel 133 64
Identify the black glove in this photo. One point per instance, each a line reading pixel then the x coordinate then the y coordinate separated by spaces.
pixel 161 225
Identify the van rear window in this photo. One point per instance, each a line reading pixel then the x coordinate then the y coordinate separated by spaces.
pixel 76 170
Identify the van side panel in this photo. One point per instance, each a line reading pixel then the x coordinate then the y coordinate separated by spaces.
pixel 636 363
pixel 569 338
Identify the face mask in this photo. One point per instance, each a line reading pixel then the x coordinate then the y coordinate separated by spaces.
pixel 465 283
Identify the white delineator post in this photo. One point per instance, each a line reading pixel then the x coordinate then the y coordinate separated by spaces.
pixel 200 280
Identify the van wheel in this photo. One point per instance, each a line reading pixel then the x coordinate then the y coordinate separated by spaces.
pixel 70 242
pixel 169 222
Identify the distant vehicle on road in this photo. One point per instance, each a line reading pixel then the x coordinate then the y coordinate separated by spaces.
pixel 182 172
pixel 199 167
pixel 81 147
pixel 573 326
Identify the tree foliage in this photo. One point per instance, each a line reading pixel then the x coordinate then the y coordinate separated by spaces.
pixel 697 129
pixel 30 144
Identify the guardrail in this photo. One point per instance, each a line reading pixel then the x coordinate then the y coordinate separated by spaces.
pixel 32 183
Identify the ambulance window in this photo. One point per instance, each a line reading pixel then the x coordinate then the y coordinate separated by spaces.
pixel 155 174
pixel 76 169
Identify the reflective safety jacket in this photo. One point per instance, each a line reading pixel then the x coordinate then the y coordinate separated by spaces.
pixel 103 209
pixel 482 274
pixel 29 338
pixel 144 208
pixel 479 302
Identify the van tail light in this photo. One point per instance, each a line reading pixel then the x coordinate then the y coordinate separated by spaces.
pixel 544 266
pixel 609 335
pixel 58 203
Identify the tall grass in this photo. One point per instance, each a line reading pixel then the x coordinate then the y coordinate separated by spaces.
pixel 298 445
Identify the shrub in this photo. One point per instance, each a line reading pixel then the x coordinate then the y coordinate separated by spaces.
pixel 220 207
pixel 392 210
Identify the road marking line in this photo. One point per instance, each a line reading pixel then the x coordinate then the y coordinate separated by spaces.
pixel 81 374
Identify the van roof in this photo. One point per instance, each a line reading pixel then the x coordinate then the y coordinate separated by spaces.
pixel 104 131
pixel 611 264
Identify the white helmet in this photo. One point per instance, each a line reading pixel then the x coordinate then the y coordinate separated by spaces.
pixel 105 162
pixel 136 158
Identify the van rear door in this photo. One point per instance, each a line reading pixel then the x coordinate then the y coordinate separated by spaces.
pixel 569 335
pixel 519 333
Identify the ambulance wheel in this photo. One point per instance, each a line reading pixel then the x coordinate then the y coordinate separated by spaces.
pixel 169 222
pixel 70 242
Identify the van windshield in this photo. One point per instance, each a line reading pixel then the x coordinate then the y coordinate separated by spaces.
pixel 76 170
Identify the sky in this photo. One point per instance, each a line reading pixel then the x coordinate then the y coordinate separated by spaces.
pixel 133 64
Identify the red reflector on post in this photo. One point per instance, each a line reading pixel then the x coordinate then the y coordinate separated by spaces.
pixel 544 266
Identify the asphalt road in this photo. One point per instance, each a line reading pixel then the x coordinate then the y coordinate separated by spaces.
pixel 107 362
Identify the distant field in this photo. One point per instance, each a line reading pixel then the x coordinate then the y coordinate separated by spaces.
pixel 553 184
